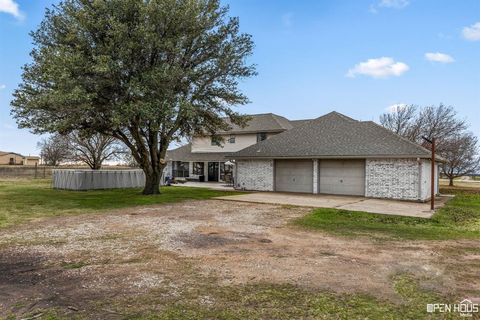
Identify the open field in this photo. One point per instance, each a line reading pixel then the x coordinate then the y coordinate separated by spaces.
pixel 460 183
pixel 213 259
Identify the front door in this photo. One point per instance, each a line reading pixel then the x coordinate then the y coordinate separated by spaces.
pixel 213 171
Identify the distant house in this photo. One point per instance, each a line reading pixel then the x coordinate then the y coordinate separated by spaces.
pixel 12 158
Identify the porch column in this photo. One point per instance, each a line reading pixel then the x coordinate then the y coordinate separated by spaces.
pixel 205 170
pixel 219 171
pixel 315 176
pixel 190 168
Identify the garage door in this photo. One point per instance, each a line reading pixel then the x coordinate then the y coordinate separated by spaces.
pixel 342 177
pixel 294 175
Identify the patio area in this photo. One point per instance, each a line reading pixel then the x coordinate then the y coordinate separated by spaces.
pixel 209 185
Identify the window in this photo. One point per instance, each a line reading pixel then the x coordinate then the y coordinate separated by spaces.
pixel 261 136
pixel 232 139
pixel 180 169
pixel 226 172
pixel 198 168
pixel 215 141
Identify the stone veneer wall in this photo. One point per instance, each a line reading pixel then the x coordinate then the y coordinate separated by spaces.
pixel 393 178
pixel 255 175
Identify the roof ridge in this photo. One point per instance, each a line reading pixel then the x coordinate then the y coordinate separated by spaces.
pixel 277 120
pixel 343 116
pixel 337 114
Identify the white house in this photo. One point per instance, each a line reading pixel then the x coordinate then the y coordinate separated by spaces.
pixel 333 154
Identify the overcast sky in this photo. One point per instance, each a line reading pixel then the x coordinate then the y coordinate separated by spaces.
pixel 356 57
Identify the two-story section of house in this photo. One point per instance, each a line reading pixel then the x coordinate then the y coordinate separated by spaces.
pixel 205 158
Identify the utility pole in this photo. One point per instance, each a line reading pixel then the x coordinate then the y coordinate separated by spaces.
pixel 432 201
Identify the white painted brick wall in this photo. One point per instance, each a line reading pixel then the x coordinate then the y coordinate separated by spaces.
pixel 393 178
pixel 426 181
pixel 254 175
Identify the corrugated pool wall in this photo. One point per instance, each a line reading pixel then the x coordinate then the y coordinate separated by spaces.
pixel 97 179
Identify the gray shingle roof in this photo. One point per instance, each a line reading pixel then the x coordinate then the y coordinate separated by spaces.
pixel 334 135
pixel 266 122
pixel 297 123
pixel 184 153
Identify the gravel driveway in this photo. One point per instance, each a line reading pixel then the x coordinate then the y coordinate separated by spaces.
pixel 68 262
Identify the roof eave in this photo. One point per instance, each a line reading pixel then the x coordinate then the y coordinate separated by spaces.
pixel 337 157
pixel 250 131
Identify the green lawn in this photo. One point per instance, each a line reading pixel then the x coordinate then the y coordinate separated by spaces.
pixel 24 200
pixel 458 219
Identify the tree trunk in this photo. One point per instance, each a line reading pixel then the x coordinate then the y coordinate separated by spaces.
pixel 97 165
pixel 152 182
pixel 450 183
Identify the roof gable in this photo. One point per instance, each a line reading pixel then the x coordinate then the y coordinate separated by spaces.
pixel 267 122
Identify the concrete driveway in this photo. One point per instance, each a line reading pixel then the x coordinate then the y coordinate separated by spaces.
pixel 393 207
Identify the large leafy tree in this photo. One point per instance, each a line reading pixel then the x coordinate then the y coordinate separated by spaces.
pixel 146 72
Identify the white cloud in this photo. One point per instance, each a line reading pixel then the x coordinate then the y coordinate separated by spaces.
pixel 392 4
pixel 11 7
pixel 396 107
pixel 439 57
pixel 2 86
pixel 472 33
pixel 383 67
pixel 395 4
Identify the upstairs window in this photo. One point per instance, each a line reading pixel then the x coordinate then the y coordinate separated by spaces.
pixel 231 139
pixel 261 136
pixel 215 141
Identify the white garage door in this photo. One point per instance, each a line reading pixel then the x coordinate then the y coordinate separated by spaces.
pixel 294 175
pixel 342 177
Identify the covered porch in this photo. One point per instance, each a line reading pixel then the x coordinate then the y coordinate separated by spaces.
pixel 202 171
